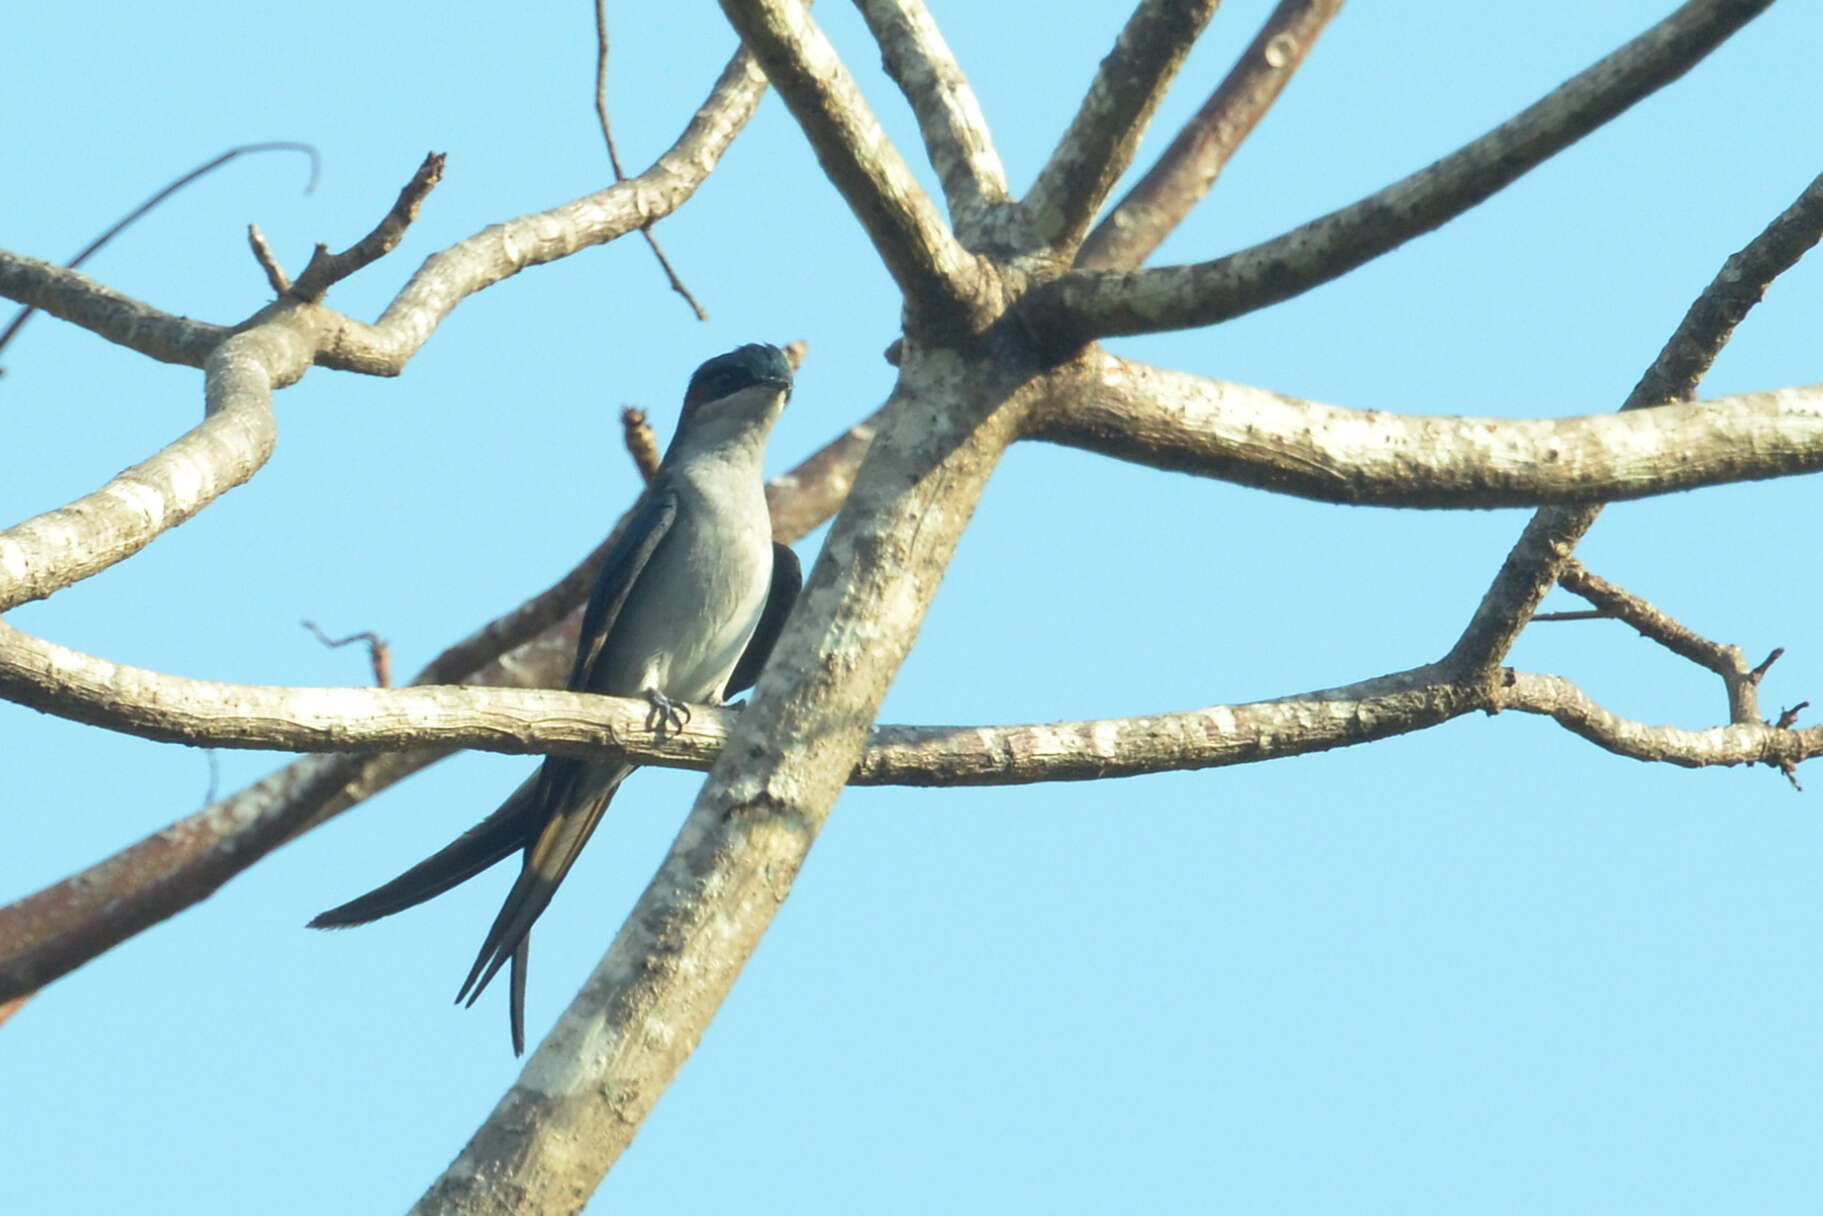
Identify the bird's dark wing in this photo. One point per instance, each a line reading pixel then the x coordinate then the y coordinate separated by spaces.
pixel 500 835
pixel 787 581
pixel 571 793
pixel 651 520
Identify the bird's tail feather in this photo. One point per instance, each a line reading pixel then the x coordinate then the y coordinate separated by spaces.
pixel 547 860
pixel 505 832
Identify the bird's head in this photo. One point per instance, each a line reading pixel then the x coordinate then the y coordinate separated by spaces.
pixel 733 396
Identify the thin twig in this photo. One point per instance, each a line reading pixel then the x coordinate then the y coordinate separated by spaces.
pixel 607 134
pixel 327 269
pixel 642 443
pixel 202 170
pixel 268 260
pixel 1651 622
pixel 379 653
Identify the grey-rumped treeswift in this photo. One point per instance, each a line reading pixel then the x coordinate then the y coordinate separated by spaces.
pixel 687 606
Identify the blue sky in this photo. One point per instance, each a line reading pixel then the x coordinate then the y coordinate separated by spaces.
pixel 1488 967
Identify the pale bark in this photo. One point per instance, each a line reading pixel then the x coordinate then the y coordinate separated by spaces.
pixel 1086 304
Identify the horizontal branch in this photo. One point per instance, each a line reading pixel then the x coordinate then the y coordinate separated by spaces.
pixel 59 928
pixel 518 721
pixel 1574 710
pixel 1084 304
pixel 1173 420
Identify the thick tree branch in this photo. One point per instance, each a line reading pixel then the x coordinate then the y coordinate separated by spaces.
pixel 1158 203
pixel 1537 558
pixel 594 1079
pixel 1083 304
pixel 50 551
pixel 956 135
pixel 1174 420
pixel 1100 141
pixel 944 285
pixel 72 296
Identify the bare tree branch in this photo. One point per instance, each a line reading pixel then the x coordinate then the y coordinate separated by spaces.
pixel 496 253
pixel 503 250
pixel 1740 743
pixel 327 269
pixel 1729 662
pixel 276 278
pixel 1537 558
pixel 956 135
pixel 119 226
pixel 1158 203
pixel 1101 139
pixel 943 283
pixel 63 546
pixel 72 296
pixel 607 136
pixel 592 1081
pixel 1252 436
pixel 379 652
pixel 1085 304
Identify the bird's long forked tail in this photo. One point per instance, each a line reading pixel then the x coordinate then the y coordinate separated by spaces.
pixel 508 830
pixel 547 860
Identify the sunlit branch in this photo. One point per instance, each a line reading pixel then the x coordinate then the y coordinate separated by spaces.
pixel 956 135
pixel 1100 141
pixel 1537 558
pixel 941 281
pixel 1160 200
pixel 1084 304
pixel 1173 420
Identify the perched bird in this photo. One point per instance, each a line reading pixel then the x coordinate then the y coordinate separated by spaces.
pixel 687 606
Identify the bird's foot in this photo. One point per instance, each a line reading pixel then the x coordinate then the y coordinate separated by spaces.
pixel 665 713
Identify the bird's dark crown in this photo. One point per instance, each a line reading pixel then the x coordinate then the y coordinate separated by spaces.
pixel 742 367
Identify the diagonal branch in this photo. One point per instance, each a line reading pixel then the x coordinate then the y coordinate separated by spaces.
pixel 594 1079
pixel 1083 304
pixel 943 284
pixel 1101 139
pixel 203 170
pixel 607 137
pixel 51 551
pixel 1537 558
pixel 503 250
pixel 1170 189
pixel 327 269
pixel 1251 436
pixel 956 135
pixel 1726 661
pixel 72 296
